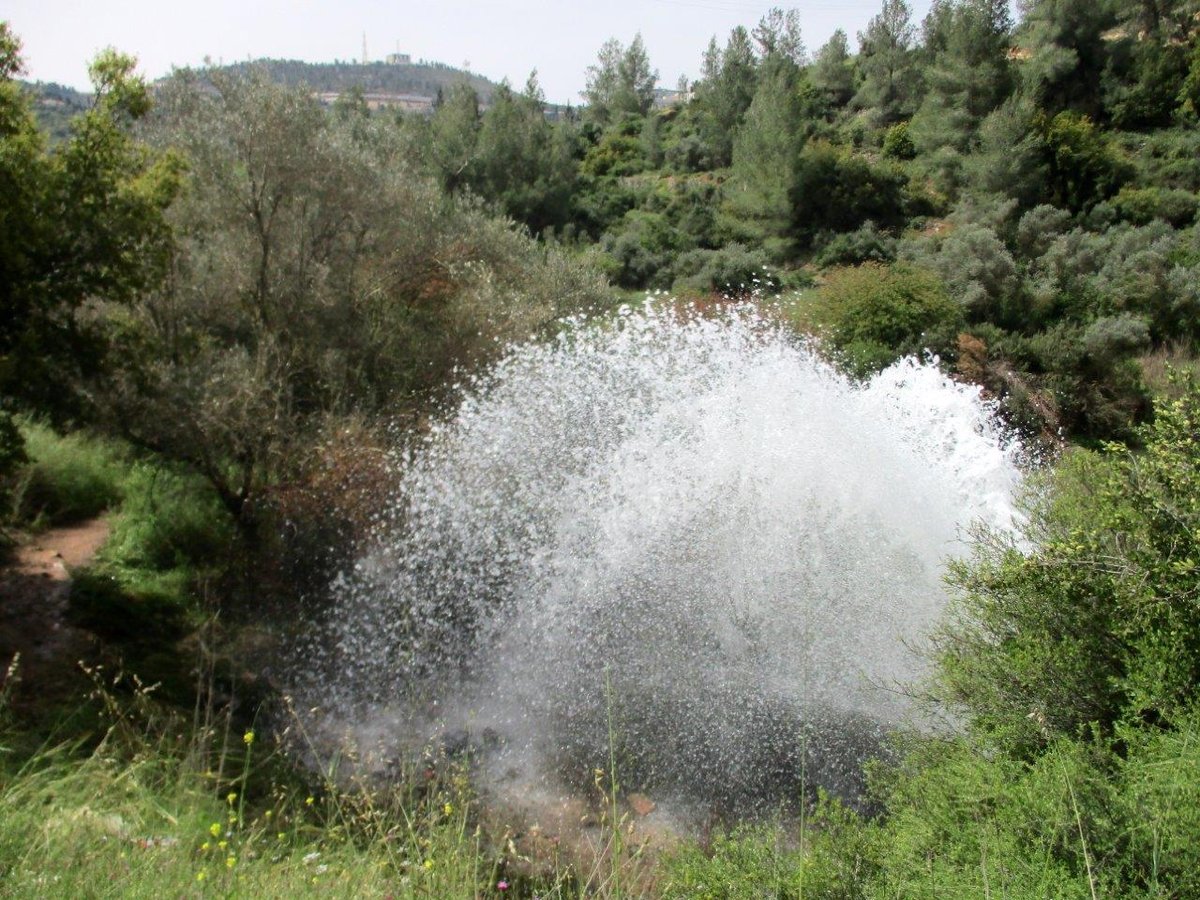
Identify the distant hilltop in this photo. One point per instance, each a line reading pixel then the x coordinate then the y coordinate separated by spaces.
pixel 397 83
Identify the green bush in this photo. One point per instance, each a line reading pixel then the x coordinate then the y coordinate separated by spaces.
pixel 68 478
pixel 833 190
pixel 734 269
pixel 978 271
pixel 1098 624
pixel 875 314
pixel 897 143
pixel 643 247
pixel 1071 657
pixel 1141 206
pixel 867 244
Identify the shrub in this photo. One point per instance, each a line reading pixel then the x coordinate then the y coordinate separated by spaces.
pixel 1143 205
pixel 977 269
pixel 734 269
pixel 1072 657
pixel 897 143
pixel 1114 336
pixel 875 314
pixel 1097 624
pixel 867 244
pixel 838 191
pixel 1082 166
pixel 689 154
pixel 643 249
pixel 1038 228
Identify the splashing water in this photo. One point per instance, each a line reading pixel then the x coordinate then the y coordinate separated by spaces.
pixel 685 540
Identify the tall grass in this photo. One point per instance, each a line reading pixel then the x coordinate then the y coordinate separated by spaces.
pixel 68 478
pixel 147 812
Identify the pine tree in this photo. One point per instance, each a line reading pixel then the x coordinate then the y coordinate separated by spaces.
pixel 890 77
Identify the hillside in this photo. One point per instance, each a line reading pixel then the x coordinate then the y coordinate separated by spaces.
pixel 55 105
pixel 420 78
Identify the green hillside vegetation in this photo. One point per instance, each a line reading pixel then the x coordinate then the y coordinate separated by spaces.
pixel 225 305
pixel 55 106
pixel 427 79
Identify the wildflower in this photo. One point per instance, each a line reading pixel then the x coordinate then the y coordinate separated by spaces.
pixel 200 876
pixel 231 797
pixel 230 862
pixel 502 885
pixel 205 846
pixel 215 829
pixel 248 738
pixel 448 809
pixel 308 801
pixel 267 814
pixel 310 857
pixel 427 865
pixel 322 869
pixel 222 844
pixel 281 836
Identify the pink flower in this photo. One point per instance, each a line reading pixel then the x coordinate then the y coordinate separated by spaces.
pixel 502 885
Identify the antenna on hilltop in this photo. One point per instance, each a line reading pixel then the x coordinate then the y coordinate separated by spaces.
pixel 364 48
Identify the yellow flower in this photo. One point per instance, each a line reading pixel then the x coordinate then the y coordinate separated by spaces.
pixel 308 801
pixel 230 797
pixel 248 737
pixel 214 829
pixel 230 861
pixel 222 844
pixel 267 814
pixel 448 808
pixel 206 845
pixel 427 865
pixel 200 876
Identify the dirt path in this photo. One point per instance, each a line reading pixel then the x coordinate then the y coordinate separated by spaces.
pixel 34 592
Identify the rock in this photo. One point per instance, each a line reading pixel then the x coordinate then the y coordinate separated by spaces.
pixel 641 805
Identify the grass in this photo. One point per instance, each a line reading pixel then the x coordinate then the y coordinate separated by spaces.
pixel 147 804
pixel 68 478
pixel 152 809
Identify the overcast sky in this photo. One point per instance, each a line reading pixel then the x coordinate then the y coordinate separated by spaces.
pixel 503 38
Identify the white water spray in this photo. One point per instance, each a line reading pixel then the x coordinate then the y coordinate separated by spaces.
pixel 688 539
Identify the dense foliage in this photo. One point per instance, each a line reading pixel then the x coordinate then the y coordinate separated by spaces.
pixel 249 295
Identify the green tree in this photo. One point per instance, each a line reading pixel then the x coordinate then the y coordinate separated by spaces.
pixel 81 227
pixel 316 279
pixel 726 89
pixel 1149 61
pixel 521 161
pixel 832 72
pixel 778 35
pixel 1065 53
pixel 758 193
pixel 449 142
pixel 621 82
pixel 890 78
pixel 967 71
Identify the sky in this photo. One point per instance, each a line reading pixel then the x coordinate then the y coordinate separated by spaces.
pixel 500 39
